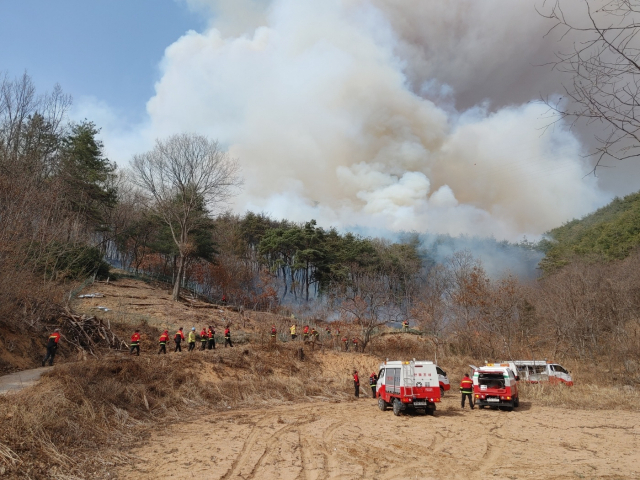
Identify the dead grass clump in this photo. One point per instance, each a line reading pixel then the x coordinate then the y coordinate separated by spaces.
pixel 582 396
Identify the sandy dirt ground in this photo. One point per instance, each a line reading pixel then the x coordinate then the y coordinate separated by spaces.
pixel 352 440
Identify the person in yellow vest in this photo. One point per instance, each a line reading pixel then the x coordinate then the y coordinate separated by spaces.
pixel 466 388
pixel 191 340
pixel 292 329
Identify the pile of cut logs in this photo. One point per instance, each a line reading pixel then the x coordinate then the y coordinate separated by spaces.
pixel 89 333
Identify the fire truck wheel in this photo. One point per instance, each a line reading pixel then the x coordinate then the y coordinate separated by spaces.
pixel 397 407
pixel 481 407
pixel 382 405
pixel 442 391
pixel 516 402
pixel 431 411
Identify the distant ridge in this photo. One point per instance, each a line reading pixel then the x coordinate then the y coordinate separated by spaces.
pixel 611 233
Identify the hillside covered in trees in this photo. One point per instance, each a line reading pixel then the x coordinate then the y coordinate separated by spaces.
pixel 610 233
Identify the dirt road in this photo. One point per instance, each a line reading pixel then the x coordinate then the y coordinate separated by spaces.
pixel 20 380
pixel 353 440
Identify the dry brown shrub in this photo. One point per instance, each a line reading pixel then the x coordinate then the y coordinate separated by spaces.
pixel 590 396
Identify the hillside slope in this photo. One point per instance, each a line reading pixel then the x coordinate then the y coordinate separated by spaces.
pixel 611 232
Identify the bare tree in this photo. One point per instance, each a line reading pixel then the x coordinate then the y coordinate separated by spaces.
pixel 185 175
pixel 605 66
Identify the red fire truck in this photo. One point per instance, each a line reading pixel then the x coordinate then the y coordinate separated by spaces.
pixel 405 385
pixel 495 385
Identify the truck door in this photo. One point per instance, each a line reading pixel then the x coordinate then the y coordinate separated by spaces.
pixel 380 384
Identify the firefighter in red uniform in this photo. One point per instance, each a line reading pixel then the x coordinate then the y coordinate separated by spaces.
pixel 355 344
pixel 466 388
pixel 227 337
pixel 203 338
pixel 356 383
pixel 52 347
pixel 274 333
pixel 305 333
pixel 373 382
pixel 345 340
pixel 135 343
pixel 164 338
pixel 178 338
pixel 211 335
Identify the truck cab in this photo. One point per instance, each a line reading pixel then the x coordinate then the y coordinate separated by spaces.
pixel 495 385
pixel 408 385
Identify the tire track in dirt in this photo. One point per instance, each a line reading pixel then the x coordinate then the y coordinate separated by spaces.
pixel 261 441
pixel 494 448
pixel 274 441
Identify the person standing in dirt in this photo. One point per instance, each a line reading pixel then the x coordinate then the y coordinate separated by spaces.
pixel 345 341
pixel 292 329
pixel 356 383
pixel 305 333
pixel 178 338
pixel 466 388
pixel 52 347
pixel 203 338
pixel 211 335
pixel 164 338
pixel 135 343
pixel 191 339
pixel 373 381
pixel 405 325
pixel 227 337
pixel 355 344
pixel 274 333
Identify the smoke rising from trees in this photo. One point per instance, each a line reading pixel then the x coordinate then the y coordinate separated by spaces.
pixel 381 113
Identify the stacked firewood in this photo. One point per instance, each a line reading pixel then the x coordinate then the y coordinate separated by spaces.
pixel 89 333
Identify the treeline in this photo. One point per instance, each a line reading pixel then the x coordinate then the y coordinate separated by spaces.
pixel 57 192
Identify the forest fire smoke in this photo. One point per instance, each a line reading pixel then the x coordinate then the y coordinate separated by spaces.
pixel 344 111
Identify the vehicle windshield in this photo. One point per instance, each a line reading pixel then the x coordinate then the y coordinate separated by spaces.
pixel 558 368
pixel 441 372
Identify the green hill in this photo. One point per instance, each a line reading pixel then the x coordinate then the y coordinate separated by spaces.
pixel 611 232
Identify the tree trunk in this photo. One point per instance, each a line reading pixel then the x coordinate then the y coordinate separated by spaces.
pixel 178 278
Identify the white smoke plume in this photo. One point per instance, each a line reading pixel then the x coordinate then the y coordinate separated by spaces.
pixel 407 115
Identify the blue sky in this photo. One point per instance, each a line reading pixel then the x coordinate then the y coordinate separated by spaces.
pixel 107 49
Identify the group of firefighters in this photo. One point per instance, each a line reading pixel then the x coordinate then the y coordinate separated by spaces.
pixel 310 334
pixel 206 337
